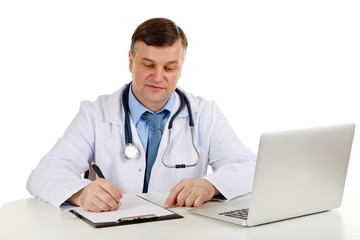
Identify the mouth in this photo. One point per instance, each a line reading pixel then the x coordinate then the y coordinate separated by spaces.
pixel 156 88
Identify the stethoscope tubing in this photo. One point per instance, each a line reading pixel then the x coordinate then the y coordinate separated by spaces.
pixel 128 133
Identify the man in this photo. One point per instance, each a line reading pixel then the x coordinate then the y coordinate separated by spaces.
pixel 97 135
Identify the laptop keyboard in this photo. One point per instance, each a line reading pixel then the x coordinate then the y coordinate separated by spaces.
pixel 240 213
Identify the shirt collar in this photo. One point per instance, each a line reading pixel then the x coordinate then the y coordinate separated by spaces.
pixel 137 109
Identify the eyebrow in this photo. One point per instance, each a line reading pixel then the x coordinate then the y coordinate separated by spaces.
pixel 150 60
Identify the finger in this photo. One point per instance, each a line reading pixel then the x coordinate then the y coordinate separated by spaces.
pixel 93 208
pixel 172 198
pixel 195 198
pixel 111 189
pixel 100 206
pixel 90 204
pixel 106 201
pixel 92 199
pixel 95 196
pixel 190 199
pixel 202 195
pixel 200 199
pixel 185 196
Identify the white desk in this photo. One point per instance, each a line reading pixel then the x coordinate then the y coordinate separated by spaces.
pixel 35 219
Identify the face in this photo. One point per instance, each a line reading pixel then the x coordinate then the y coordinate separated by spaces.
pixel 155 73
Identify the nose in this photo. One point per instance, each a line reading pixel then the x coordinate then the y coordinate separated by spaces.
pixel 158 75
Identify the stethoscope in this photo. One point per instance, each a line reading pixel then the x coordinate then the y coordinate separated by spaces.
pixel 131 150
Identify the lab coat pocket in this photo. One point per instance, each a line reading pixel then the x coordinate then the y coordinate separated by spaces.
pixel 191 158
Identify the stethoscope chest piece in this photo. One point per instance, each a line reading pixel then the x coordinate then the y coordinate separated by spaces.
pixel 131 151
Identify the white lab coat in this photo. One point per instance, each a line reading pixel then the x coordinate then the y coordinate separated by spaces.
pixel 97 134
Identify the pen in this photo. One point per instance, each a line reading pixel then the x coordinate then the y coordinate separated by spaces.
pixel 99 173
pixel 97 170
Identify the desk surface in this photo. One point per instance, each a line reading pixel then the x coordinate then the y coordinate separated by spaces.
pixel 35 219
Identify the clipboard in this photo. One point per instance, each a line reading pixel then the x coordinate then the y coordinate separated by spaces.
pixel 134 209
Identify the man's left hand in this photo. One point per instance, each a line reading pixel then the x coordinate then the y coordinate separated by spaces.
pixel 191 192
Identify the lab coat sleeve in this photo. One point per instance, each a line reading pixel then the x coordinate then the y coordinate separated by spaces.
pixel 58 175
pixel 233 164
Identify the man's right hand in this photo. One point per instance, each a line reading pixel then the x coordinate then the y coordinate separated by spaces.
pixel 98 196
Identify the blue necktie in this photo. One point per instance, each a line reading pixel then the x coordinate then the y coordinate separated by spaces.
pixel 153 143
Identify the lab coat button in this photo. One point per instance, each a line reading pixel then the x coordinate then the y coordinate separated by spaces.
pixel 139 169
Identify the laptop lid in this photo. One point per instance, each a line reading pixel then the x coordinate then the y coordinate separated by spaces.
pixel 298 172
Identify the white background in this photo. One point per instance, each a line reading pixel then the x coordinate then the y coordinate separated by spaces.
pixel 270 65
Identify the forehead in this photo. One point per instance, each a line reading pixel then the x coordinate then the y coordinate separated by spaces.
pixel 160 54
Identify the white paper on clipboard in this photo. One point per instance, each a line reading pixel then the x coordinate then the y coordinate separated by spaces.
pixel 131 206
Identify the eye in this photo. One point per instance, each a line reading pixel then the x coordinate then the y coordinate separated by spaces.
pixel 148 65
pixel 170 68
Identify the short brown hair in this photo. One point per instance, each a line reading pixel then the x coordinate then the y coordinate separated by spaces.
pixel 158 32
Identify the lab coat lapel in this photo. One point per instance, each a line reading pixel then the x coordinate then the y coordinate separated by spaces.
pixel 180 122
pixel 116 115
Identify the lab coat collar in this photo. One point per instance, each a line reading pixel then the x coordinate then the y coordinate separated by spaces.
pixel 114 110
pixel 137 109
pixel 194 104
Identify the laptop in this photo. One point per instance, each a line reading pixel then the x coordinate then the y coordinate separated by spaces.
pixel 298 172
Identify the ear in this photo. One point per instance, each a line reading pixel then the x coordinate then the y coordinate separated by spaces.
pixel 130 61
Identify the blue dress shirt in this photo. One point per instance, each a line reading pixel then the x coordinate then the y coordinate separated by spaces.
pixel 142 124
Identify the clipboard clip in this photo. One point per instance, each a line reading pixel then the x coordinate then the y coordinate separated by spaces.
pixel 137 218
